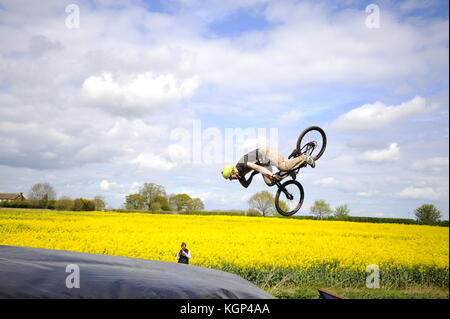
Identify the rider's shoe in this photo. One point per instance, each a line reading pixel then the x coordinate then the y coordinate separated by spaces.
pixel 310 161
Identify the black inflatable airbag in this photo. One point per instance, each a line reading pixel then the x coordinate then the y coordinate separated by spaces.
pixel 41 273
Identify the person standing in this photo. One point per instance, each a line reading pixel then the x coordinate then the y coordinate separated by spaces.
pixel 183 254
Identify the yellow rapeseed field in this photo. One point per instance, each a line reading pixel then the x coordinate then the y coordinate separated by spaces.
pixel 308 250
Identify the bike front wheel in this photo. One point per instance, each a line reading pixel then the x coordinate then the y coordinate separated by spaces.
pixel 312 142
pixel 289 198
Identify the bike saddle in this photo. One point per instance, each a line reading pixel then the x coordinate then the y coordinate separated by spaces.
pixel 294 153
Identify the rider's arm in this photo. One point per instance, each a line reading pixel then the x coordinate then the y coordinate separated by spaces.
pixel 247 182
pixel 259 169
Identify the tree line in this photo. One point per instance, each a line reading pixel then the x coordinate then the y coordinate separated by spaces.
pixel 153 197
pixel 426 214
pixel 44 196
pixel 262 204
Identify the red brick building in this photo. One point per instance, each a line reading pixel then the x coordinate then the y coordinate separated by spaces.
pixel 11 196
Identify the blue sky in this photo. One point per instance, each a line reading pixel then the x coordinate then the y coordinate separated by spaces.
pixel 102 108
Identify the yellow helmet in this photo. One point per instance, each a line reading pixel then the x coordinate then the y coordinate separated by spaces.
pixel 227 171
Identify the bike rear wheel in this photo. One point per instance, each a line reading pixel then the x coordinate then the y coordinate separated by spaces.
pixel 312 142
pixel 289 201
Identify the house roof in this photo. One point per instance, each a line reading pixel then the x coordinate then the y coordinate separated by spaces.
pixel 10 196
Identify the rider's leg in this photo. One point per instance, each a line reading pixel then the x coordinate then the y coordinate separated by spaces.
pixel 283 165
pixel 292 163
pixel 279 161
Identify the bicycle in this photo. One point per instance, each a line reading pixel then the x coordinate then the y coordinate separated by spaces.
pixel 289 197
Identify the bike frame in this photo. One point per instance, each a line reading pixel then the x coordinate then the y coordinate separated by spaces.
pixel 293 173
pixel 309 148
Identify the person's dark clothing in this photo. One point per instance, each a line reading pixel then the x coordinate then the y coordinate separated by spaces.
pixel 256 157
pixel 182 258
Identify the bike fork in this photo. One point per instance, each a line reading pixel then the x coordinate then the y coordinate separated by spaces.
pixel 283 189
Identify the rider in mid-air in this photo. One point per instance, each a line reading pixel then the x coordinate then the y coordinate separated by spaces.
pixel 261 161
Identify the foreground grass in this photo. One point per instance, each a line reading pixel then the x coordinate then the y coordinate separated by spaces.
pixel 413 292
pixel 270 252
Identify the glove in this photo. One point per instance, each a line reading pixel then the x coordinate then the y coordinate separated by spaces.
pixel 273 178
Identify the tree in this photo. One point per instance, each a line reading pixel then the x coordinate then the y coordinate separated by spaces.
pixel 181 202
pixel 64 203
pixel 81 204
pixel 42 192
pixel 99 203
pixel 162 201
pixel 134 201
pixel 427 214
pixel 321 209
pixel 252 212
pixel 149 191
pixel 197 204
pixel 263 202
pixel 155 207
pixel 341 212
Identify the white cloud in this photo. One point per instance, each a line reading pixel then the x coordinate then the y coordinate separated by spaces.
pixel 390 154
pixel 425 193
pixel 139 93
pixel 366 194
pixel 152 161
pixel 48 155
pixel 21 148
pixel 311 43
pixel 290 117
pixel 179 153
pixel 436 164
pixel 252 143
pixel 134 187
pixel 379 115
pixel 327 181
pixel 40 45
pixel 411 5
pixel 108 186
